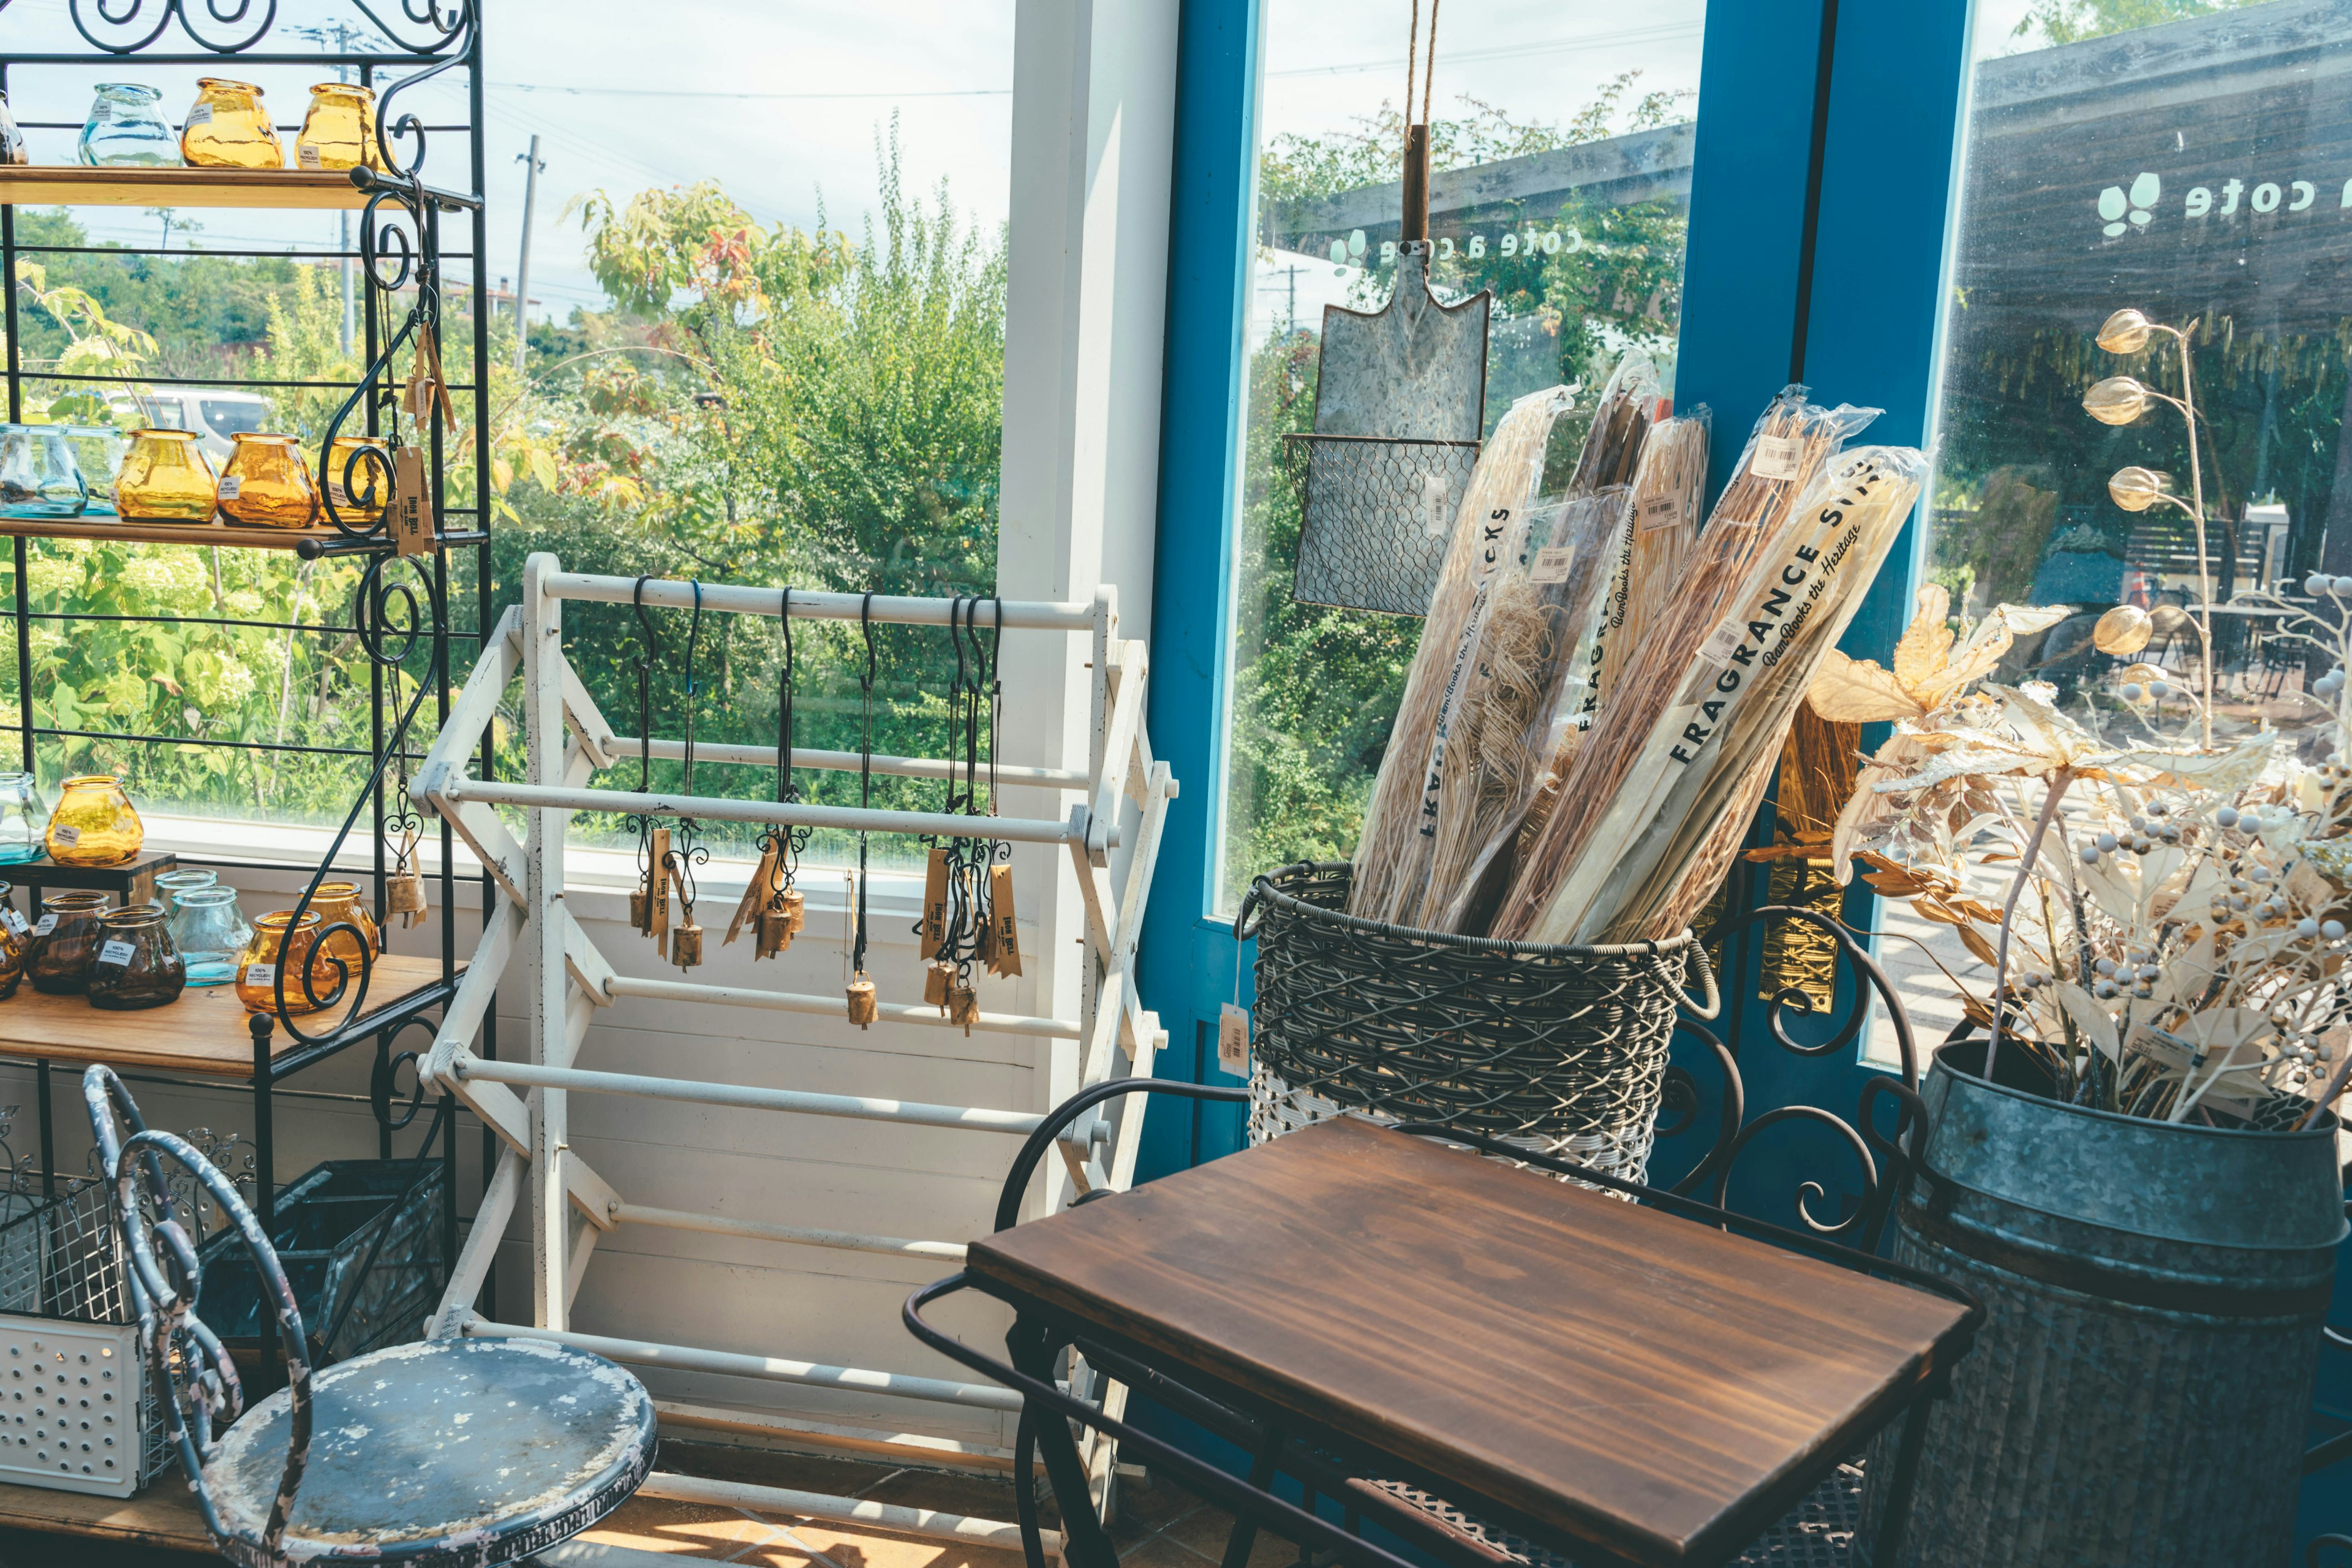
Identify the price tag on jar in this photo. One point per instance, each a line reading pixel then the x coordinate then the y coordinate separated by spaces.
pixel 202 114
pixel 264 976
pixel 231 486
pixel 67 835
pixel 307 156
pixel 14 921
pixel 115 952
pixel 45 925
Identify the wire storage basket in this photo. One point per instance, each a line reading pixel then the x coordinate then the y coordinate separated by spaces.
pixel 1376 516
pixel 1560 1049
pixel 76 1413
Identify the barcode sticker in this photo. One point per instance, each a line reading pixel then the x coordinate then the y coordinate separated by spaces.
pixel 67 835
pixel 1777 458
pixel 1553 563
pixel 45 925
pixel 307 156
pixel 265 974
pixel 1716 652
pixel 1233 1040
pixel 1660 510
pixel 230 485
pixel 202 114
pixel 115 952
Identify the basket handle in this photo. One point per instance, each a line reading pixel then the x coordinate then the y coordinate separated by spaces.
pixel 1251 906
pixel 1707 981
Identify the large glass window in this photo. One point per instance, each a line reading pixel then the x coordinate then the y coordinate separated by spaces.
pixel 1560 157
pixel 2181 157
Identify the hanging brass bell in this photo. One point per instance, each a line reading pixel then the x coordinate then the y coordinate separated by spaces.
pixel 937 977
pixel 775 933
pixel 404 895
pixel 795 911
pixel 964 1005
pixel 686 944
pixel 636 908
pixel 861 1001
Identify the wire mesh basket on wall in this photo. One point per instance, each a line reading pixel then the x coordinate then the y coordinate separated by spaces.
pixel 75 1411
pixel 1562 1050
pixel 1376 514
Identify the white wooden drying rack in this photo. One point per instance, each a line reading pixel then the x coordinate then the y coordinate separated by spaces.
pixel 524 1101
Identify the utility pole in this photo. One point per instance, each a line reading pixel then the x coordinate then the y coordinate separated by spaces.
pixel 531 167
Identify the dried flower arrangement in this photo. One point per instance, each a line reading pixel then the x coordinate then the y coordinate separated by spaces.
pixel 2172 944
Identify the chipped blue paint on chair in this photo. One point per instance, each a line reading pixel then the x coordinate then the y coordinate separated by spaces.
pixel 445 1454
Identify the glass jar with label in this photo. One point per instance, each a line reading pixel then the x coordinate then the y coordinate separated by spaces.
pixel 14 933
pixel 22 819
pixel 267 484
pixel 358 478
pixel 339 130
pixel 125 128
pixel 165 478
pixel 228 127
pixel 210 931
pixel 256 966
pixel 64 943
pixel 94 824
pixel 136 964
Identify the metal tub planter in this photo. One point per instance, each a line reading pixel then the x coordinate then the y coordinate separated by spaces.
pixel 2139 1393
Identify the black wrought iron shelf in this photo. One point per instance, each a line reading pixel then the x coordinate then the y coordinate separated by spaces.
pixel 401 607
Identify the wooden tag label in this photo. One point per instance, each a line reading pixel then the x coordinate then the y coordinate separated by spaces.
pixel 935 902
pixel 657 913
pixel 411 517
pixel 1233 1040
pixel 1004 930
pixel 755 896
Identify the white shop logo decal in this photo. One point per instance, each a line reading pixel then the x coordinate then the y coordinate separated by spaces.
pixel 1352 251
pixel 2123 208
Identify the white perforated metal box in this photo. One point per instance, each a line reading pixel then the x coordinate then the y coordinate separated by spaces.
pixel 70 1415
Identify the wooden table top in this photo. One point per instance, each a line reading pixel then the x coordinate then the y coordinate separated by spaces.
pixel 203 1033
pixel 1629 1378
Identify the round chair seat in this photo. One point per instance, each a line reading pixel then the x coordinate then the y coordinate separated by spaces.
pixel 454 1453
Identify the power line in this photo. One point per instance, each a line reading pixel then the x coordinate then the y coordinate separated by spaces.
pixel 1671 32
pixel 763 97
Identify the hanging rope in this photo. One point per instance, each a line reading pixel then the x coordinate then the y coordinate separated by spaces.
pixel 865 769
pixel 1411 56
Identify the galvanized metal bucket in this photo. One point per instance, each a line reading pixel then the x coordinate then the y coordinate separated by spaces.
pixel 2139 1393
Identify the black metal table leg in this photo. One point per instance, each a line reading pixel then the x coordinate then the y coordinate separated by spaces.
pixel 1244 1539
pixel 1084 1543
pixel 265 1184
pixel 48 1128
pixel 1900 1484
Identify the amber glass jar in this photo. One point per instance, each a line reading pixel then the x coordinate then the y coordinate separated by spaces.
pixel 164 477
pixel 267 484
pixel 339 130
pixel 359 486
pixel 136 966
pixel 93 823
pixel 228 127
pixel 256 966
pixel 65 941
pixel 340 903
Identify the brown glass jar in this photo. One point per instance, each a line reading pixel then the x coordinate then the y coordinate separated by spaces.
pixel 136 966
pixel 14 936
pixel 64 942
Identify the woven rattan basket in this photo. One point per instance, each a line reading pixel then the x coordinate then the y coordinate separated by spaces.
pixel 1560 1048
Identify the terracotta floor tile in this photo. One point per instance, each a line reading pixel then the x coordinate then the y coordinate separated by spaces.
pixel 851 1548
pixel 685 1529
pixel 1205 1530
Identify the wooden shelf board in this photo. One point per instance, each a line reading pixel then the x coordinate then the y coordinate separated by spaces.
pixel 106 526
pixel 163 1516
pixel 72 185
pixel 204 1032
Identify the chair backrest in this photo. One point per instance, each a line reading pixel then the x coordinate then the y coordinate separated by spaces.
pixel 191 1370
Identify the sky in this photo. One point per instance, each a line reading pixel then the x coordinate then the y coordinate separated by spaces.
pixel 782 102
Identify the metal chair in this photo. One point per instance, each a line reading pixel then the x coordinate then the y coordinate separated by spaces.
pixel 460 1453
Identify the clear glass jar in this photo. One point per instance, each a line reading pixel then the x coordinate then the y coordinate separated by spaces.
pixel 137 965
pixel 210 931
pixel 65 941
pixel 228 127
pixel 172 883
pixel 267 484
pixel 12 141
pixel 126 129
pixel 165 478
pixel 338 129
pixel 39 476
pixel 23 819
pixel 93 823
pixel 256 966
pixel 359 486
pixel 340 903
